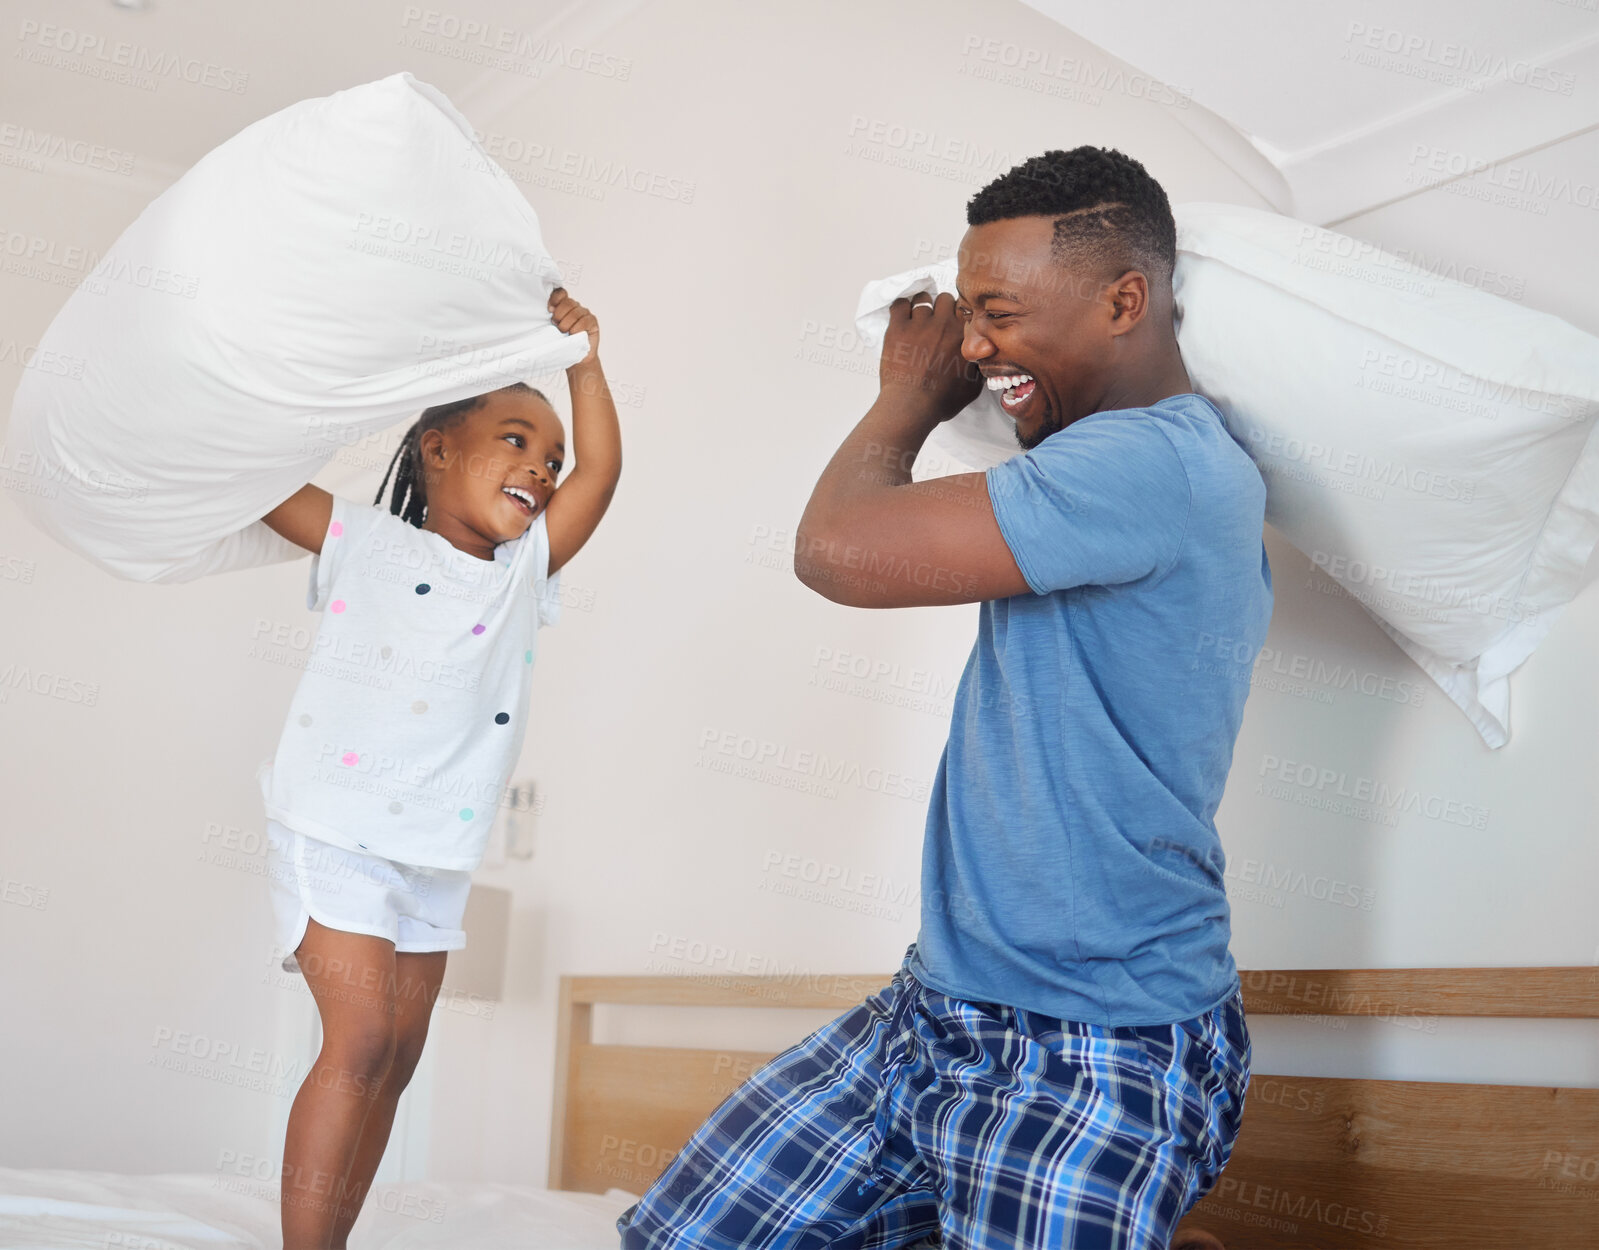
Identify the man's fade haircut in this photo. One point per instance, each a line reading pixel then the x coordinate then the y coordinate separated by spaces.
pixel 1110 215
pixel 408 501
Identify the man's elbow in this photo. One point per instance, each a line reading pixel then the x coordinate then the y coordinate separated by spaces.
pixel 808 566
pixel 816 567
pixel 818 578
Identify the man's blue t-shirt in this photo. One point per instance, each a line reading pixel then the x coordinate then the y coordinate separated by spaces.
pixel 1071 864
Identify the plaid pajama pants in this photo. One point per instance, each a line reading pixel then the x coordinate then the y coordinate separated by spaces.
pixel 921 1119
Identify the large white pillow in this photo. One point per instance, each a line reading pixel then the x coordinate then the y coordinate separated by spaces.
pixel 326 273
pixel 1428 444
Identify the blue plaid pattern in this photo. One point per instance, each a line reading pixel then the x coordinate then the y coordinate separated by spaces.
pixel 917 1118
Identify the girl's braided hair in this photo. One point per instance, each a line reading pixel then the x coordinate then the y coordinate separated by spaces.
pixel 409 498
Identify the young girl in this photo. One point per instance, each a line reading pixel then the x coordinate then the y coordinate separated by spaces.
pixel 402 734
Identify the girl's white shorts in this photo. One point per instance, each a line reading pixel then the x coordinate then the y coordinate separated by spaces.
pixel 415 907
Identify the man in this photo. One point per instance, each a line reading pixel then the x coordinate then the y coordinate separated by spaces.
pixel 1061 1059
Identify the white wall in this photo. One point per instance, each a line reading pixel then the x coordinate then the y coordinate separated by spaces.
pixel 726 324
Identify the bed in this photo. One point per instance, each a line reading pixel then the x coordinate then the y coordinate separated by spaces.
pixel 216 1211
pixel 1320 1162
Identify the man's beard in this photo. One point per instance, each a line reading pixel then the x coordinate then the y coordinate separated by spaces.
pixel 1050 425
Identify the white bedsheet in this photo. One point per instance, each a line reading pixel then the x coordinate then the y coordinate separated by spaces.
pixel 42 1207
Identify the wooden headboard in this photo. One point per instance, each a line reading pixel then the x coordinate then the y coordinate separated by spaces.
pixel 1322 1162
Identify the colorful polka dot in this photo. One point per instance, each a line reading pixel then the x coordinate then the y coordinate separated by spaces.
pixel 396 808
pixel 350 758
pixel 478 629
pixel 337 605
pixel 422 588
pixel 336 528
pixel 305 718
pixel 420 706
pixel 528 656
pixel 501 717
pixel 466 813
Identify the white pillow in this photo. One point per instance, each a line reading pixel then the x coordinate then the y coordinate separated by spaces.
pixel 1429 445
pixel 326 273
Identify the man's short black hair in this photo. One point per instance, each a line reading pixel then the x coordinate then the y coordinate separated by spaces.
pixel 1110 215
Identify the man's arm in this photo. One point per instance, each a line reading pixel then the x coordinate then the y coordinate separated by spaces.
pixel 303 517
pixel 872 538
pixel 575 509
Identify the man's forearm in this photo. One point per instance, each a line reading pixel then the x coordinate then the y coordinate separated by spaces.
pixel 872 537
pixel 876 456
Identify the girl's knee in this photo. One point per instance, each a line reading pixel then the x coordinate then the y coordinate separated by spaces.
pixel 406 1057
pixel 365 1050
pixel 409 1043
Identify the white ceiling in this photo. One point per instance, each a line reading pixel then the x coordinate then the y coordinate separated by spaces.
pixel 1304 100
pixel 1329 110
pixel 297 50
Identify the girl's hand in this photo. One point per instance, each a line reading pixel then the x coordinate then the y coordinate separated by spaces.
pixel 570 317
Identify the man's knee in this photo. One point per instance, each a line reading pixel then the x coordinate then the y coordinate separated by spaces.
pixel 632 1237
pixel 640 1231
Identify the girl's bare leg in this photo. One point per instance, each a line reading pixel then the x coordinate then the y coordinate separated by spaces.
pixel 351 977
pixel 417 978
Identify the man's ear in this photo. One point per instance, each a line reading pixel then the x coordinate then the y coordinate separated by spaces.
pixel 1129 298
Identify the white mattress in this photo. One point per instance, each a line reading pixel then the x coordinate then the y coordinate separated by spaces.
pixel 42 1207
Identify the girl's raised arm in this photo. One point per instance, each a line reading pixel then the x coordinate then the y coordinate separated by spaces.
pixel 575 509
pixel 303 517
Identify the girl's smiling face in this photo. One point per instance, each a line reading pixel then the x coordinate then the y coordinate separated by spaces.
pixel 489 473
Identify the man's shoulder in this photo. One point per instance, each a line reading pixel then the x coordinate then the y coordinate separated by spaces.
pixel 1199 433
pixel 1187 416
pixel 1172 420
pixel 1138 449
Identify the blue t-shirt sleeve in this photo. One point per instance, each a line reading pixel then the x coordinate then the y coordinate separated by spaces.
pixel 1098 503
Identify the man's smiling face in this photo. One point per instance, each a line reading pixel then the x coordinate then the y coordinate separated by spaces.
pixel 1029 317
